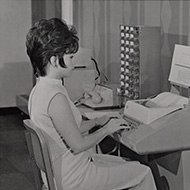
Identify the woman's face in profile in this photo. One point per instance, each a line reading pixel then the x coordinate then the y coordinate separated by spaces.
pixel 68 60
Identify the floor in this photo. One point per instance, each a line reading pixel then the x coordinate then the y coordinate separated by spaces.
pixel 15 166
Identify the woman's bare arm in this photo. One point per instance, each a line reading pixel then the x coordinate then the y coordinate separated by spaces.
pixel 65 123
pixel 87 125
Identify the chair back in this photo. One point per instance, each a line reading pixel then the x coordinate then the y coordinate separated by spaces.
pixel 39 151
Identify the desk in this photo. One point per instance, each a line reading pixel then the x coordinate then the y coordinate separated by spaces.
pixel 169 144
pixel 168 141
pixel 91 114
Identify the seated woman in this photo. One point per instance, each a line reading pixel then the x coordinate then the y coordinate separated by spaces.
pixel 51 45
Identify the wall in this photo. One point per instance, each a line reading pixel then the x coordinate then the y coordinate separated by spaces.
pixel 15 70
pixel 16 17
pixel 45 9
pixel 98 23
pixel 67 11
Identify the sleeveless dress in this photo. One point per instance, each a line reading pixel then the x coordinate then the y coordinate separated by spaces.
pixel 84 171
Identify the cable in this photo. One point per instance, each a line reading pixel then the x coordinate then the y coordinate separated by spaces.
pixel 96 66
pixel 98 70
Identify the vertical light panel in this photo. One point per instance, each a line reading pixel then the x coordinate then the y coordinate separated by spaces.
pixel 140 61
pixel 67 11
pixel 129 64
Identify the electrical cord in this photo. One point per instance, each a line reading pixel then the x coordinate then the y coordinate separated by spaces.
pixel 96 66
pixel 98 70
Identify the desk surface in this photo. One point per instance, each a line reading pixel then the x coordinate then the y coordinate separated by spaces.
pixel 170 133
pixel 91 114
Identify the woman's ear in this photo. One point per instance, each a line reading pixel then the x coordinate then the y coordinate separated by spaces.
pixel 54 61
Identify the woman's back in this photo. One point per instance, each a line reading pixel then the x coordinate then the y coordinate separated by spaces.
pixel 39 101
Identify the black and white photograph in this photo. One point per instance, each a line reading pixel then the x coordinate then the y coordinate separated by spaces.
pixel 94 94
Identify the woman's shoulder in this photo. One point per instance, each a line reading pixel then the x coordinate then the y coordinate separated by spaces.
pixel 51 88
pixel 45 92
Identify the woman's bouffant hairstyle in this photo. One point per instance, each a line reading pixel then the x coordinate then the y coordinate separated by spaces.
pixel 49 38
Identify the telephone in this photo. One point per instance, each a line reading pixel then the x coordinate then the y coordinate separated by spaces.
pixel 100 97
pixel 95 96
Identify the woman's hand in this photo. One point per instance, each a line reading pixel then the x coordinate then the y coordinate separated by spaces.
pixel 115 124
pixel 104 119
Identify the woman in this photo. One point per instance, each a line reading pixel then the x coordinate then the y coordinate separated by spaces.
pixel 51 45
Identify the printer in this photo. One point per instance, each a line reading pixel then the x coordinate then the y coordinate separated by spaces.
pixel 162 123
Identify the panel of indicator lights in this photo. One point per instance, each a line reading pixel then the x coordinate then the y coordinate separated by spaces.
pixel 129 62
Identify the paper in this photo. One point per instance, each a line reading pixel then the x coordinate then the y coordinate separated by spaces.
pixel 166 99
pixel 180 69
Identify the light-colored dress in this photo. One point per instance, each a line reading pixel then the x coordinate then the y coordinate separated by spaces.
pixel 84 171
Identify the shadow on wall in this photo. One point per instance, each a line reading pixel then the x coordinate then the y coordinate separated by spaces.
pixel 165 71
pixel 114 72
pixel 15 78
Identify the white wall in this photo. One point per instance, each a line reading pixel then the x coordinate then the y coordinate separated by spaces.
pixel 15 69
pixel 67 11
pixel 97 22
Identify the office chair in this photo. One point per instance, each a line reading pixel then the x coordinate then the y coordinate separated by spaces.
pixel 39 154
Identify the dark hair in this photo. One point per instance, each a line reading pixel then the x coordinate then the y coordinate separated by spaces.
pixel 49 38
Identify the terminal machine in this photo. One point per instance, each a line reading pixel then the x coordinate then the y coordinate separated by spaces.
pixel 162 125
